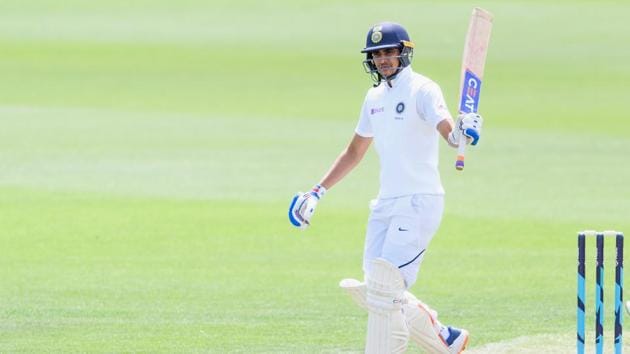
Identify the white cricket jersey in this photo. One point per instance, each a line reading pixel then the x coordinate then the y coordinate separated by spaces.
pixel 403 121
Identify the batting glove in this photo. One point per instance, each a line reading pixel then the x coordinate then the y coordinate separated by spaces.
pixel 303 206
pixel 468 124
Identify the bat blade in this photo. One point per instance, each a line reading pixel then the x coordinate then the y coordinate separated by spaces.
pixel 473 64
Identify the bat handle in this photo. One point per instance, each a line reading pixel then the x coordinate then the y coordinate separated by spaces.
pixel 461 152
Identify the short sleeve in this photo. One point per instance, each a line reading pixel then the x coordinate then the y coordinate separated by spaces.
pixel 431 105
pixel 364 127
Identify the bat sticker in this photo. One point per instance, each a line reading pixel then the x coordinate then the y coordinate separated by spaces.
pixel 470 93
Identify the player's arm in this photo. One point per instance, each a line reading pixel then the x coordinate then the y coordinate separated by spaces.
pixel 303 204
pixel 346 161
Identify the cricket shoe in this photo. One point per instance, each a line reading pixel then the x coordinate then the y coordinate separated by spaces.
pixel 457 340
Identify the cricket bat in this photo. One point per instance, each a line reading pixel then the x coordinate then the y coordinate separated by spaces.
pixel 473 62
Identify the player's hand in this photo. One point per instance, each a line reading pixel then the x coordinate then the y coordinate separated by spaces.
pixel 303 206
pixel 469 124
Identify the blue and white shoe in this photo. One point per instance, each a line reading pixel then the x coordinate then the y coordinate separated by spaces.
pixel 457 340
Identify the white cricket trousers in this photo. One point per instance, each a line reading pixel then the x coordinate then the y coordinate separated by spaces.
pixel 400 229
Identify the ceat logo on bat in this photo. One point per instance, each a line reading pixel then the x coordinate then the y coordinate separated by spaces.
pixel 470 93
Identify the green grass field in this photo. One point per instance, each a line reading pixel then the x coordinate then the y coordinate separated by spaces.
pixel 149 150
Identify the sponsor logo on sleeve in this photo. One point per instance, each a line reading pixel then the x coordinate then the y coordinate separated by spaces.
pixel 377 110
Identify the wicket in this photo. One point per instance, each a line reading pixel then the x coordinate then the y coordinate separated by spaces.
pixel 599 290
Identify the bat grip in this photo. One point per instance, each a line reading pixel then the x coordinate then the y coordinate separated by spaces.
pixel 461 152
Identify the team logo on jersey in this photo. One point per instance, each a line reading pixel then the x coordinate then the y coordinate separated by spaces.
pixel 377 35
pixel 400 107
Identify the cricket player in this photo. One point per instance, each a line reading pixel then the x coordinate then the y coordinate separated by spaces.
pixel 404 114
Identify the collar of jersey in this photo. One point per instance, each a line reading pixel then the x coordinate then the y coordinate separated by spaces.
pixel 400 78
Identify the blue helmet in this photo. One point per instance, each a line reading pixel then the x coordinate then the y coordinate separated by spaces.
pixel 387 35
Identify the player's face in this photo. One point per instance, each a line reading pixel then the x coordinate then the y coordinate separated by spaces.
pixel 386 61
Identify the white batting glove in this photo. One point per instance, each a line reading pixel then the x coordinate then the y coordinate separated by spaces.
pixel 468 124
pixel 303 206
pixel 453 136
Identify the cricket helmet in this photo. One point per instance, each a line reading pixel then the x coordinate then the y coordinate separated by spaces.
pixel 387 35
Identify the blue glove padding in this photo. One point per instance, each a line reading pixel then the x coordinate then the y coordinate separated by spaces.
pixel 470 125
pixel 303 206
pixel 473 134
